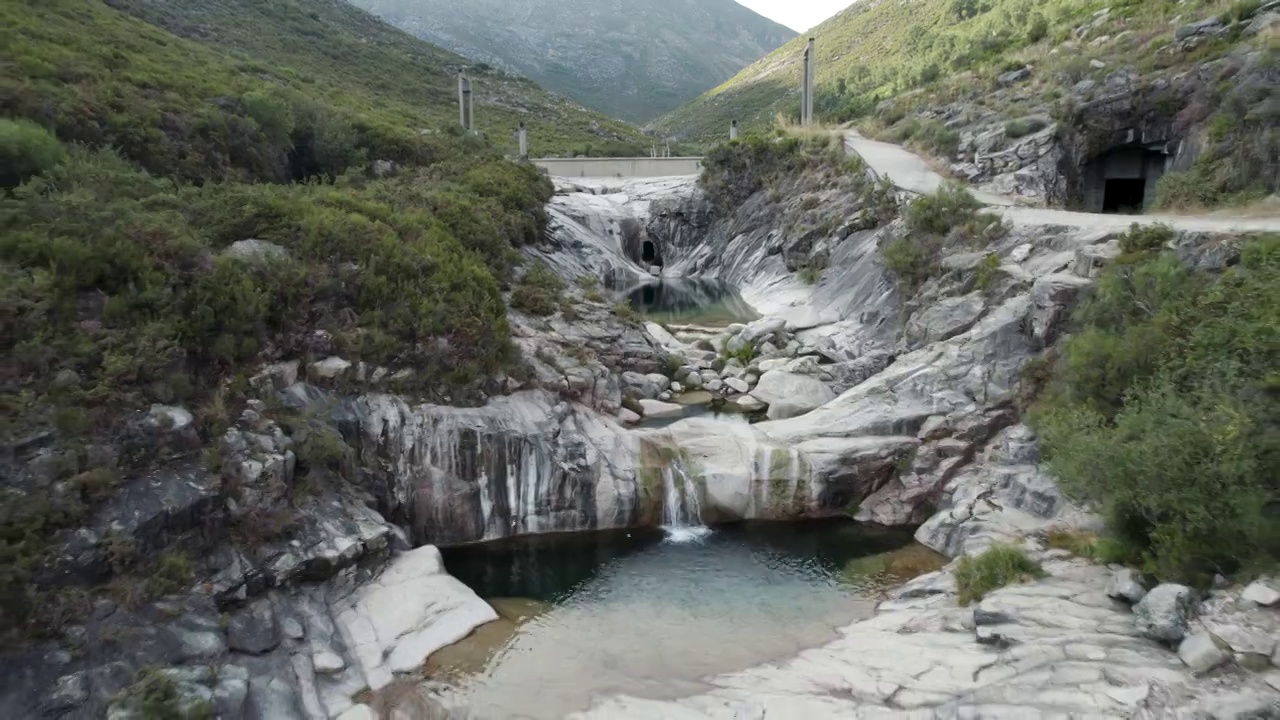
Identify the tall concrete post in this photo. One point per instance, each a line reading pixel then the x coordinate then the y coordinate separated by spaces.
pixel 733 130
pixel 806 99
pixel 523 134
pixel 465 108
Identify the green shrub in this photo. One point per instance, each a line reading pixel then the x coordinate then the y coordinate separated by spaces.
pixel 1023 127
pixel 155 696
pixel 913 258
pixel 950 207
pixel 1037 30
pixel 1162 412
pixel 1001 565
pixel 1145 238
pixel 987 272
pixel 26 149
pixel 538 292
pixel 173 573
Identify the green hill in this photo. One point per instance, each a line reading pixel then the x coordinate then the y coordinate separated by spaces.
pixel 173 83
pixel 633 60
pixel 933 51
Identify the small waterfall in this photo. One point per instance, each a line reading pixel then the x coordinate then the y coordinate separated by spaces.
pixel 681 513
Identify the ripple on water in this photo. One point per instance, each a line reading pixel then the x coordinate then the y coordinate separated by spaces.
pixel 630 612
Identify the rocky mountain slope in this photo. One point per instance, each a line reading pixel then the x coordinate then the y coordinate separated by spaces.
pixel 630 60
pixel 988 86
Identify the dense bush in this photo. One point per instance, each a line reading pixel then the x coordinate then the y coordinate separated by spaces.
pixel 734 171
pixel 1023 127
pixel 26 149
pixel 538 292
pixel 1163 411
pixel 1001 565
pixel 949 217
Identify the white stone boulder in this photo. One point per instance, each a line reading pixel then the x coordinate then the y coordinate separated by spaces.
pixel 657 409
pixel 1200 653
pixel 1164 614
pixel 737 385
pixel 1262 593
pixel 412 609
pixel 1125 586
pixel 329 368
pixel 747 403
pixel 789 395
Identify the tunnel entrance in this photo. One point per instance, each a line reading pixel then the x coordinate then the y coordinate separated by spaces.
pixel 1124 196
pixel 1123 178
pixel 649 253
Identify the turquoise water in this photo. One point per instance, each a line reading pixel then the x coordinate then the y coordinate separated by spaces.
pixel 629 612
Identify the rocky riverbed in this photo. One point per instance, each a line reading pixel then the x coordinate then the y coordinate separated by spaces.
pixel 901 409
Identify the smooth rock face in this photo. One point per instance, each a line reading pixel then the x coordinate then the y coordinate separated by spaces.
pixel 1163 615
pixel 789 395
pixel 413 608
pixel 1124 585
pixel 1201 653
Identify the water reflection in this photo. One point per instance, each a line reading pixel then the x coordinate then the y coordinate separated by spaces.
pixel 691 302
pixel 623 612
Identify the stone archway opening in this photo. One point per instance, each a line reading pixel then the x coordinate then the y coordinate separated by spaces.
pixel 650 254
pixel 1123 178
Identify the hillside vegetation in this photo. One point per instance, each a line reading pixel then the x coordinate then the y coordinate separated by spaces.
pixel 175 213
pixel 1162 409
pixel 237 89
pixel 927 52
pixel 632 60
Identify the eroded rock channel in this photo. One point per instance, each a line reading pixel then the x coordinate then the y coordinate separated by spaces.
pixel 829 392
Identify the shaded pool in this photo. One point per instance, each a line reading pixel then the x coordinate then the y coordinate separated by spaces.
pixel 691 302
pixel 625 612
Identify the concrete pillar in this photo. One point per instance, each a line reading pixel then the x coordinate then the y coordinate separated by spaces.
pixel 810 65
pixel 465 107
pixel 733 130
pixel 523 134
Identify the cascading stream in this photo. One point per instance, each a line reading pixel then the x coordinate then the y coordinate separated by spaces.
pixel 681 511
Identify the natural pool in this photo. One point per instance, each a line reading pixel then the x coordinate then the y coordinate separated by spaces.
pixel 631 612
pixel 687 301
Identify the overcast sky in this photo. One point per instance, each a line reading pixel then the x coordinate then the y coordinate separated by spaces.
pixel 799 15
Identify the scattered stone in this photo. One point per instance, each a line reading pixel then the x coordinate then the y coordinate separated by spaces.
pixel 715 385
pixel 1203 27
pixel 1125 586
pixel 1014 76
pixel 1200 652
pixel 329 368
pixel 328 663
pixel 1097 64
pixel 65 378
pixel 748 403
pixel 1164 613
pixel 71 691
pixel 736 385
pixel 628 417
pixel 292 629
pixel 1244 640
pixel 1262 593
pixel 657 409
pixel 256 250
pixel 253 629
